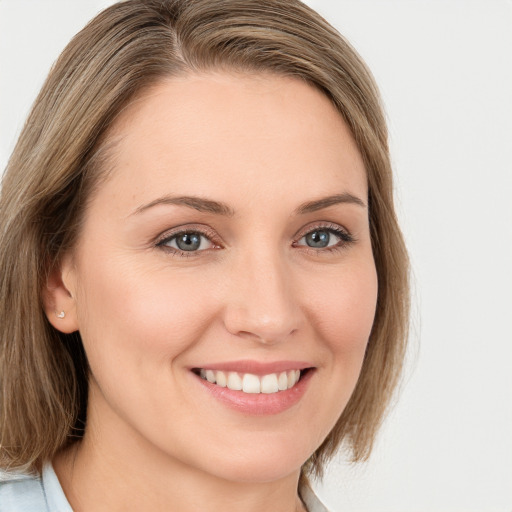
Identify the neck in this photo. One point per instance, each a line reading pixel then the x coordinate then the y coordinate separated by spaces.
pixel 105 473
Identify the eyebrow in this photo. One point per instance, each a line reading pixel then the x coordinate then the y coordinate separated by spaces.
pixel 325 202
pixel 197 203
pixel 218 208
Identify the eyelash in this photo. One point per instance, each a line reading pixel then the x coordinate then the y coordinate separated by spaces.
pixel 345 239
pixel 203 231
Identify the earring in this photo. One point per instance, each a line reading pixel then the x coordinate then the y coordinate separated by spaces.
pixel 60 315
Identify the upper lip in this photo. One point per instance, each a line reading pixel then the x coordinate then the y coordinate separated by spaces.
pixel 256 367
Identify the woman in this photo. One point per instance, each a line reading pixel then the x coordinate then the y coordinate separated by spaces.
pixel 204 287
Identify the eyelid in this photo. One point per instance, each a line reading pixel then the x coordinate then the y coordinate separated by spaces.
pixel 344 234
pixel 329 226
pixel 202 230
pixel 345 239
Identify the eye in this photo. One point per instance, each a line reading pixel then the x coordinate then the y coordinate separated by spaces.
pixel 325 238
pixel 187 241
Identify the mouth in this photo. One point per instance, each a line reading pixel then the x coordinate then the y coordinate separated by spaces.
pixel 250 383
pixel 253 388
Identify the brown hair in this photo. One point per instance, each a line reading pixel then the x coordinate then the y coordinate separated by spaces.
pixel 61 151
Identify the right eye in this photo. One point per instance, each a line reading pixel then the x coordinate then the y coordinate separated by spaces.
pixel 187 241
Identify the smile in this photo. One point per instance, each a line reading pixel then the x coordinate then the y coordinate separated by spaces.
pixel 250 383
pixel 256 388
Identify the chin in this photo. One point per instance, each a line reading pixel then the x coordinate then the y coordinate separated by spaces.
pixel 261 462
pixel 261 471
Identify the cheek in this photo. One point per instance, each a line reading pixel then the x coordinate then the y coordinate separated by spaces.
pixel 344 316
pixel 133 313
pixel 344 308
pixel 341 309
pixel 137 325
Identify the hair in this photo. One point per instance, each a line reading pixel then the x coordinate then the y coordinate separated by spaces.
pixel 60 158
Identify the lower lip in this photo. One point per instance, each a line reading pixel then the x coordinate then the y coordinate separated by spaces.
pixel 259 403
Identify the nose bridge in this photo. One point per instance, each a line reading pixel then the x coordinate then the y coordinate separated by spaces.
pixel 263 302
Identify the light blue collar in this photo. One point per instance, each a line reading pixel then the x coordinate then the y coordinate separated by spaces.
pixel 55 498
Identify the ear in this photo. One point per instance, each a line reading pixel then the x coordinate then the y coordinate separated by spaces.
pixel 58 297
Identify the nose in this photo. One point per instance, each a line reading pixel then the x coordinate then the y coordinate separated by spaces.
pixel 262 302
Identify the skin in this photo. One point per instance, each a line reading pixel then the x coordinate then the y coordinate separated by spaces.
pixel 263 146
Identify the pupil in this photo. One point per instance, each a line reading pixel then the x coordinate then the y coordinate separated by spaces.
pixel 189 241
pixel 318 239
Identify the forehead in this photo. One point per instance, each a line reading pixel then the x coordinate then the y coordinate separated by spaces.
pixel 211 133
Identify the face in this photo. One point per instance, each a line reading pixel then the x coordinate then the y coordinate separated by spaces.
pixel 228 248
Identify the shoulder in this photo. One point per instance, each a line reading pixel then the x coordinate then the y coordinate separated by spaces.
pixel 21 493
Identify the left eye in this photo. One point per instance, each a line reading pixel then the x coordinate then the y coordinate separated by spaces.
pixel 188 241
pixel 320 239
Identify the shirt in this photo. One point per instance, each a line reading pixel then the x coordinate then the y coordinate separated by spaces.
pixel 29 493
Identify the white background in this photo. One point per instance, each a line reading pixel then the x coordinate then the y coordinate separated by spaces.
pixel 445 72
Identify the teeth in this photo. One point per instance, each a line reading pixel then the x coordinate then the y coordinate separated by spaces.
pixel 249 383
pixel 269 384
pixel 234 381
pixel 282 381
pixel 221 379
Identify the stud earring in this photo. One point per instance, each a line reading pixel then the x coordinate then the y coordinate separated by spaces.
pixel 60 315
